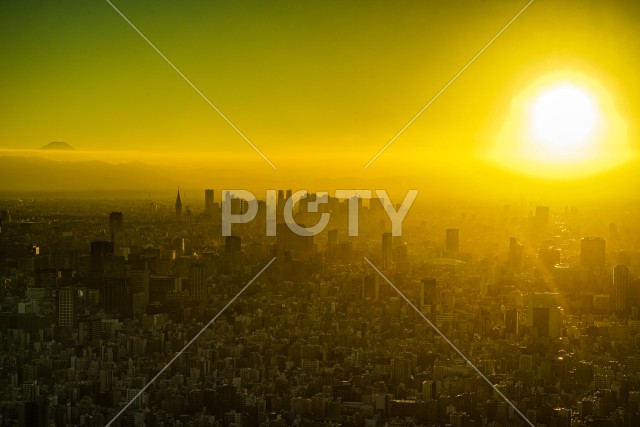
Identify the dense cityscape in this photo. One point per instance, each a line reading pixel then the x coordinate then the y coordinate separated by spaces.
pixel 99 296
pixel 181 244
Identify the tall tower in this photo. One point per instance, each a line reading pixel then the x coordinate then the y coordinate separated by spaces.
pixel 620 288
pixel 541 220
pixel 208 203
pixel 386 249
pixel 178 206
pixel 428 295
pixel 452 242
pixel 370 287
pixel 115 225
pixel 66 307
pixel 115 222
pixel 197 282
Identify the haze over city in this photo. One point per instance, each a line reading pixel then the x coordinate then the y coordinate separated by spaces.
pixel 177 247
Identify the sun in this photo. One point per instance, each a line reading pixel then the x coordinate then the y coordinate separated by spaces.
pixel 563 125
pixel 564 117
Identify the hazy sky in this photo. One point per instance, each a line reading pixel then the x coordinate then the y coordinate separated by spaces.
pixel 300 79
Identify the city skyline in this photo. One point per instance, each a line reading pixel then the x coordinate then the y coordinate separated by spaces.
pixel 319 214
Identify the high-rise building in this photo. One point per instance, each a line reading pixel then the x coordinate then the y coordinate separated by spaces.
pixel 280 202
pixel 67 307
pixel 178 206
pixel 208 203
pixel 117 298
pixel 138 277
pixel 541 219
pixel 515 253
pixel 544 314
pixel 620 288
pixel 387 241
pixel 511 321
pixel 428 294
pixel 89 329
pixel 197 283
pixel 452 244
pixel 115 223
pixel 592 252
pixel 101 251
pixel 370 287
pixel 429 390
pixel 401 368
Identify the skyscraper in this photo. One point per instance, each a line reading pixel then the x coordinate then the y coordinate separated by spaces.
pixel 117 296
pixel 515 253
pixel 178 206
pixel 401 368
pixel 428 294
pixel 386 249
pixel 115 222
pixel 544 314
pixel 452 240
pixel 208 203
pixel 101 251
pixel 197 283
pixel 370 287
pixel 280 202
pixel 541 220
pixel 66 307
pixel 511 321
pixel 620 288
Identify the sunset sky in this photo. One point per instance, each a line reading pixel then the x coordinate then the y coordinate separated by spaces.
pixel 332 81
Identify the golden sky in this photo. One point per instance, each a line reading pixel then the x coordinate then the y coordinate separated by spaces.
pixel 332 81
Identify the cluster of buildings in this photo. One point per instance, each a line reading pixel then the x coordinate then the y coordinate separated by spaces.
pixel 106 310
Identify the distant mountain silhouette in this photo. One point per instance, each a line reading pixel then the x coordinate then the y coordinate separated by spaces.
pixel 58 145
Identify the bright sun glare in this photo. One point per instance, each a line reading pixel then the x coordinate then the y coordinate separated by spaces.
pixel 562 126
pixel 564 116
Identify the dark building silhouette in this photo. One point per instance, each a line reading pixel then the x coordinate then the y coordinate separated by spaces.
pixel 232 244
pixel 117 297
pixel 208 203
pixel 511 321
pixel 67 307
pixel 115 222
pixel 370 287
pixel 197 283
pixel 428 293
pixel 178 206
pixel 620 288
pixel 541 220
pixel 101 251
pixel 387 240
pixel 452 240
pixel 515 253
